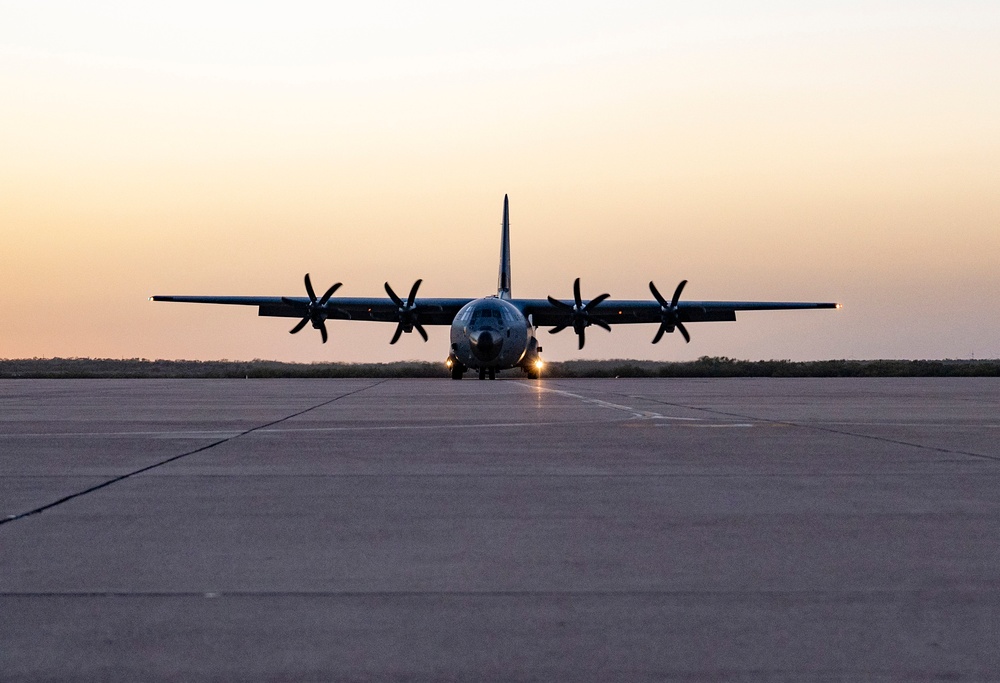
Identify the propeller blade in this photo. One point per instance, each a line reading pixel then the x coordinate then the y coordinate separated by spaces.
pixel 657 295
pixel 684 332
pixel 595 301
pixel 309 289
pixel 392 295
pixel 677 294
pixel 322 331
pixel 397 333
pixel 299 326
pixel 580 313
pixel 420 328
pixel 329 293
pixel 670 317
pixel 413 293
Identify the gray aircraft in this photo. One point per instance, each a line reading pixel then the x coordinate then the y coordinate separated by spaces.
pixel 496 332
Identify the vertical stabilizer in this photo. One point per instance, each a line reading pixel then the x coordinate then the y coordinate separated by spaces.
pixel 503 286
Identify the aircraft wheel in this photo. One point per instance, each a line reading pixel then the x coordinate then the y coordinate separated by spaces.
pixel 482 373
pixel 493 373
pixel 456 371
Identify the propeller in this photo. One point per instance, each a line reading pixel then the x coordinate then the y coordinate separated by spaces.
pixel 580 313
pixel 669 315
pixel 407 312
pixel 316 310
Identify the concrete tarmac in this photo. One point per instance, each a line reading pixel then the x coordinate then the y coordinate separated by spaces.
pixel 425 530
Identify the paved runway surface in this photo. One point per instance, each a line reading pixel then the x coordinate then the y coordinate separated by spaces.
pixel 565 530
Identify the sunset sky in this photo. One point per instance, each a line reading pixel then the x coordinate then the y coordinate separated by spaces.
pixel 825 151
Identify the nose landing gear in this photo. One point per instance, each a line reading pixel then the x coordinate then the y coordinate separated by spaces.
pixel 483 372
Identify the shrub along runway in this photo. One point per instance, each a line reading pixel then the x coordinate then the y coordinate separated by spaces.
pixel 379 529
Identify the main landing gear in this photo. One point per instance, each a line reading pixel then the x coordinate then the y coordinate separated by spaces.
pixel 457 369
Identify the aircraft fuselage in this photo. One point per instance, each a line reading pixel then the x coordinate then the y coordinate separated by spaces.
pixel 492 333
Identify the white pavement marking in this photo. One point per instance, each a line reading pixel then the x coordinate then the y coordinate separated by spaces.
pixel 634 412
pixel 727 425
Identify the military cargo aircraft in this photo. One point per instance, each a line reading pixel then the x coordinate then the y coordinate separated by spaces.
pixel 496 332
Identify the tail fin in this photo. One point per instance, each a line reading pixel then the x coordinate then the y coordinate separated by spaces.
pixel 503 286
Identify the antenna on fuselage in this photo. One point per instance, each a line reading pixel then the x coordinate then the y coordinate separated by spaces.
pixel 503 284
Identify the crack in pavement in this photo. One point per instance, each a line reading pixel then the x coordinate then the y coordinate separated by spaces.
pixel 174 458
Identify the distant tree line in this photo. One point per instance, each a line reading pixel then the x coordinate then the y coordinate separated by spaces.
pixel 103 368
pixel 720 366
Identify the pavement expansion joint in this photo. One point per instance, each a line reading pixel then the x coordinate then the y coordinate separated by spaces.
pixel 820 593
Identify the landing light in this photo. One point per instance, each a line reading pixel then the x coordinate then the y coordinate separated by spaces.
pixel 839 306
pixel 448 363
pixel 539 364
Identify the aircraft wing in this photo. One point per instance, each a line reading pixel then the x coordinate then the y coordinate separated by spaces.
pixel 430 311
pixel 621 312
pixel 441 311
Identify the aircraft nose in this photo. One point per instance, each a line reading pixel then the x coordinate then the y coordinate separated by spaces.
pixel 485 346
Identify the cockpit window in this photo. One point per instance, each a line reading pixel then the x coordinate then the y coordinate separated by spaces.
pixel 492 314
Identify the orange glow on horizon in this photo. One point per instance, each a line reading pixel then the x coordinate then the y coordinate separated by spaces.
pixel 821 154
